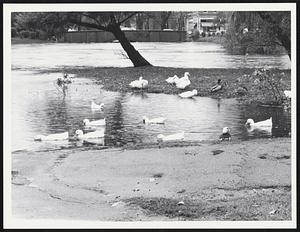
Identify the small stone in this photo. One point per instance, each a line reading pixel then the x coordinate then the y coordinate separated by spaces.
pixel 181 191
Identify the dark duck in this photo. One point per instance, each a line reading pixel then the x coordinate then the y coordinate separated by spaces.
pixel 225 134
pixel 217 87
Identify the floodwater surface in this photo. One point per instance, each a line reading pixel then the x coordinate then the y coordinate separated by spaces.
pixel 181 55
pixel 40 107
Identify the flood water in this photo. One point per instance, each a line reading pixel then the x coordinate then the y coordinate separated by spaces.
pixel 183 55
pixel 39 107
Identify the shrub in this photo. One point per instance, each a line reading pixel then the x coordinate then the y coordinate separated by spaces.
pixel 13 32
pixel 196 34
pixel 265 86
pixel 32 35
pixel 42 35
pixel 24 34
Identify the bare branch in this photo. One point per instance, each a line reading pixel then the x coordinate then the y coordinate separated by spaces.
pixel 128 17
pixel 89 16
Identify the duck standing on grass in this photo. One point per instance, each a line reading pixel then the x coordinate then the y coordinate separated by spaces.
pixel 225 134
pixel 184 81
pixel 139 84
pixel 172 80
pixel 217 87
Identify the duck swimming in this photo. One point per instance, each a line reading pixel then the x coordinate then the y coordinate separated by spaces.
pixel 159 120
pixel 217 87
pixel 139 84
pixel 94 134
pixel 52 137
pixel 266 124
pixel 95 106
pixel 172 80
pixel 173 137
pixel 225 134
pixel 100 122
pixel 189 94
pixel 183 82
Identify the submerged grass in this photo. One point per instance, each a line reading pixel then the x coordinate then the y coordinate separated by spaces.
pixel 237 80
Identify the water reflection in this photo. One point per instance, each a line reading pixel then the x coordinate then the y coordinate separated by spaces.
pixel 38 108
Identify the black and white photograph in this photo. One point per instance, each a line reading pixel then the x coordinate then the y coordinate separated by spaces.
pixel 150 115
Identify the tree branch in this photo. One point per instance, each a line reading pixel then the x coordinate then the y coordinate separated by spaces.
pixel 89 16
pixel 92 25
pixel 128 17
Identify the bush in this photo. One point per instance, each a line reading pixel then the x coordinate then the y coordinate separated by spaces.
pixel 265 86
pixel 196 34
pixel 13 32
pixel 24 34
pixel 32 35
pixel 42 35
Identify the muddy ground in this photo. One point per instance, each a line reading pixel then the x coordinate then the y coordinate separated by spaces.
pixel 238 180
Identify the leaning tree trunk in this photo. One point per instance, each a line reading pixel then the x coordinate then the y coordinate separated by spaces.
pixel 136 58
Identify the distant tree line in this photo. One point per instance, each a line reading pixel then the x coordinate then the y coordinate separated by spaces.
pixel 246 32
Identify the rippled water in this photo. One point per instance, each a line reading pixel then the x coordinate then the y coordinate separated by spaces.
pixel 186 55
pixel 39 107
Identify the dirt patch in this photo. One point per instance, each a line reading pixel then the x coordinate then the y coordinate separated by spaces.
pixel 217 152
pixel 158 175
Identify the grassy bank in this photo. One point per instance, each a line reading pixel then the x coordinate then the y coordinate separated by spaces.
pixel 239 83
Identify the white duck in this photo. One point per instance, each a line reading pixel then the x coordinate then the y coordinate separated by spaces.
pixel 189 94
pixel 100 122
pixel 139 84
pixel 159 120
pixel 266 124
pixel 288 93
pixel 90 135
pixel 183 82
pixel 95 106
pixel 173 137
pixel 52 137
pixel 172 80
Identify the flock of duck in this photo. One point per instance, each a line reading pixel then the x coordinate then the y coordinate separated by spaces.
pixel 98 126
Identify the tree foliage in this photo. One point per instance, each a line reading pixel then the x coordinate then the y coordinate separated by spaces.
pixel 259 31
pixel 55 23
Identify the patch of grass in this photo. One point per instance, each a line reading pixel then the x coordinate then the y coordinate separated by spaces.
pixel 118 79
pixel 169 207
pixel 229 207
